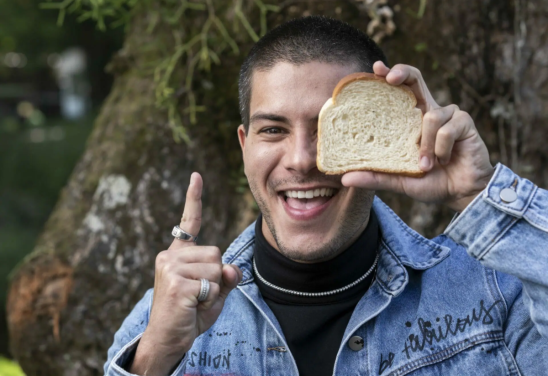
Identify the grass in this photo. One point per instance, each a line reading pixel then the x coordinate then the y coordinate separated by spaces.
pixel 9 368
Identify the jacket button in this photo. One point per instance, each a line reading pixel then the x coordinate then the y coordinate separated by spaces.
pixel 508 195
pixel 356 343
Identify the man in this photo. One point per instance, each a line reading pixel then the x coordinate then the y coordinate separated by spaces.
pixel 334 282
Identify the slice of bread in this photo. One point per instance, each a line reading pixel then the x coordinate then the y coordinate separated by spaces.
pixel 369 124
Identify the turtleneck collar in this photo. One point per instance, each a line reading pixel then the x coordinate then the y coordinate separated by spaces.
pixel 328 275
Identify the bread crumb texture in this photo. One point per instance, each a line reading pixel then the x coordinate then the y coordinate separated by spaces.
pixel 370 125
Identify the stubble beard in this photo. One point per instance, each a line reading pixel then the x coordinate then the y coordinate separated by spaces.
pixel 351 223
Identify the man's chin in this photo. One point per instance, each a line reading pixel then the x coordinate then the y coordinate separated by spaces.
pixel 307 252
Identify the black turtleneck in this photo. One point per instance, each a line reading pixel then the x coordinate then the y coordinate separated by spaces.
pixel 314 326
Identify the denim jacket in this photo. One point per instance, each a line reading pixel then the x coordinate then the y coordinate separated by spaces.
pixel 432 310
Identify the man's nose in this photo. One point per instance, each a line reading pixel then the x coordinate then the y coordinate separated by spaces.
pixel 301 156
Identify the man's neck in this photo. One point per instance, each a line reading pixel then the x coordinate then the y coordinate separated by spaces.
pixel 272 241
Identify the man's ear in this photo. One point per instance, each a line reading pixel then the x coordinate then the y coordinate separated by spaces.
pixel 242 136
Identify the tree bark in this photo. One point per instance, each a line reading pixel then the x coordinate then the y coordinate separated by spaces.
pixel 96 255
pixel 490 58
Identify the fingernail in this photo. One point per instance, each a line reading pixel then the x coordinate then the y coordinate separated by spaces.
pixel 425 163
pixel 239 274
pixel 396 72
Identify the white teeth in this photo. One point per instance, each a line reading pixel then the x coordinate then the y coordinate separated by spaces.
pixel 310 193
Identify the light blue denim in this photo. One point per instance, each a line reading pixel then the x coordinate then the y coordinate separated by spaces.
pixel 432 310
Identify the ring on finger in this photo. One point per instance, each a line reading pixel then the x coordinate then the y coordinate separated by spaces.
pixel 181 234
pixel 204 289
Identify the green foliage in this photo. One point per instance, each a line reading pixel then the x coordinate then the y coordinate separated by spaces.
pixel 422 8
pixel 31 177
pixel 96 10
pixel 198 46
pixel 421 47
pixel 26 29
pixel 9 368
pixel 420 12
pixel 202 48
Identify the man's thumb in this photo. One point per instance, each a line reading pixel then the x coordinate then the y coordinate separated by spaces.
pixel 232 275
pixel 373 181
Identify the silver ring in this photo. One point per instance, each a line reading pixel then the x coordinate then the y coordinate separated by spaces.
pixel 204 289
pixel 181 234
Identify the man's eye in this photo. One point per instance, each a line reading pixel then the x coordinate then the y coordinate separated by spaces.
pixel 272 130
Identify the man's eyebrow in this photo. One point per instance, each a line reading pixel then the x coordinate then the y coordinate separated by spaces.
pixel 266 116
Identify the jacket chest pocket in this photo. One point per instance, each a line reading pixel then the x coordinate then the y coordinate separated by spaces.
pixel 485 354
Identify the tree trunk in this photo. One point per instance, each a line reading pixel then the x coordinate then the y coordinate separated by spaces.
pixel 490 58
pixel 95 258
pixel 96 255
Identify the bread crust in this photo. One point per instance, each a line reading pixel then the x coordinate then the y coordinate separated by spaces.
pixel 383 170
pixel 327 103
pixel 364 76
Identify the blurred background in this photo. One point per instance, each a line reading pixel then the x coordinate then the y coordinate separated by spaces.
pixel 52 84
pixel 106 107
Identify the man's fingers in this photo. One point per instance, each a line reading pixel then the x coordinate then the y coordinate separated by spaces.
pixel 401 74
pixel 456 129
pixel 373 181
pixel 195 254
pixel 212 297
pixel 232 275
pixel 192 214
pixel 441 126
pixel 431 123
pixel 380 69
pixel 211 272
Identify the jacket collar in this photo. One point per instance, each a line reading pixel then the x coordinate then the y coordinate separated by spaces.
pixel 409 247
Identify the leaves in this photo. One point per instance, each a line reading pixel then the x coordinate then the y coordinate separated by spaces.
pixel 201 47
pixel 9 368
pixel 96 10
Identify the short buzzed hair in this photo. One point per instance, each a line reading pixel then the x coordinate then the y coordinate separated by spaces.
pixel 303 40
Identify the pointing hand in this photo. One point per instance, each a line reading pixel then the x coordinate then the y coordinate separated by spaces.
pixel 177 316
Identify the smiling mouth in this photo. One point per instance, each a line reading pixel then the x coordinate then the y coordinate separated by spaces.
pixel 307 200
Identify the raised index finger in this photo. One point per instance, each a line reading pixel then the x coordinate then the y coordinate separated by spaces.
pixel 411 77
pixel 192 214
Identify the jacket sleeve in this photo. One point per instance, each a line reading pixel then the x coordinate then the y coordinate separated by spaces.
pixel 127 338
pixel 506 229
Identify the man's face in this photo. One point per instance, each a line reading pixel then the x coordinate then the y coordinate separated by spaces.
pixel 279 154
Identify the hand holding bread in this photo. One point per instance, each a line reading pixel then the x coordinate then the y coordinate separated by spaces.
pixel 452 154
